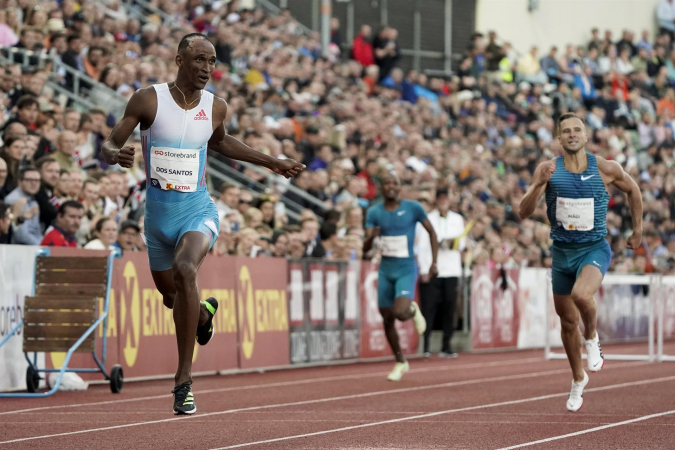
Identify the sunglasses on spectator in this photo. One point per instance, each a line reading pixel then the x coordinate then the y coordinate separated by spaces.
pixel 31 180
pixel 244 202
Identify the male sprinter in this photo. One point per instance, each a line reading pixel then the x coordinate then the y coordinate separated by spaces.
pixel 576 199
pixel 179 121
pixel 394 222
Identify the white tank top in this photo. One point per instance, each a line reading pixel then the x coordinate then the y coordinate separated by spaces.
pixel 174 147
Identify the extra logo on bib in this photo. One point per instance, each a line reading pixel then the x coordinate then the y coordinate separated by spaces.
pixel 575 214
pixel 173 169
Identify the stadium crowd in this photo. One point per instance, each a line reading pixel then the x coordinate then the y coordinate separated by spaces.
pixel 469 141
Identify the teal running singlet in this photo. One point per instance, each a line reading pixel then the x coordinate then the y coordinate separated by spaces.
pixel 577 204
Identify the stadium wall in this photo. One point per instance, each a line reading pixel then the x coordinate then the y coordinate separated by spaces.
pixel 562 22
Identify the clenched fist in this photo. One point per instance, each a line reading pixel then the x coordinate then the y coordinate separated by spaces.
pixel 544 174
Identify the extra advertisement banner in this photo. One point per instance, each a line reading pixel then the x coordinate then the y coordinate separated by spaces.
pixel 324 312
pixel 373 340
pixel 262 311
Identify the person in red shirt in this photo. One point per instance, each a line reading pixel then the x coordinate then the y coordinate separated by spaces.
pixel 68 220
pixel 362 47
pixel 368 174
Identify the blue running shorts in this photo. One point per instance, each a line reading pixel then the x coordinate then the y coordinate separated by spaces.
pixel 569 259
pixel 166 223
pixel 396 278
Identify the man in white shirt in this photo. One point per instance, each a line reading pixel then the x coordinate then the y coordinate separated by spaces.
pixel 439 295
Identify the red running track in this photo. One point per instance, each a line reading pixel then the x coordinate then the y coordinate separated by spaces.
pixel 478 401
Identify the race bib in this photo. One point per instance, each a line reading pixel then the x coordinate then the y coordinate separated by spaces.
pixel 575 213
pixel 395 246
pixel 174 169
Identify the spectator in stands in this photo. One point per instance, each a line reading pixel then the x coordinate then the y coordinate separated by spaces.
pixel 264 239
pixel 63 231
pixel 362 47
pixel 25 207
pixel 26 112
pixel 529 68
pixel 665 14
pixel 386 50
pixel 71 57
pixel 279 244
pixel 266 205
pixel 349 197
pixel 322 159
pixel 310 236
pixel 5 223
pixel 92 210
pixel 228 200
pixel 245 201
pixel 246 243
pixel 5 188
pixel 49 174
pixel 128 236
pixel 65 150
pixel 13 153
pixel 253 217
pixel 105 234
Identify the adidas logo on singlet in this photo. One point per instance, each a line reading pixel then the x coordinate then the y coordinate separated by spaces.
pixel 201 115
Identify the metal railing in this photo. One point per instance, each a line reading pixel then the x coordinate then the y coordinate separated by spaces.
pixel 115 103
pixel 147 8
pixel 227 174
pixel 224 171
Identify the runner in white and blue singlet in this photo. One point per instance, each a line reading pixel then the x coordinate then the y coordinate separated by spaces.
pixel 179 121
pixel 575 185
pixel 394 222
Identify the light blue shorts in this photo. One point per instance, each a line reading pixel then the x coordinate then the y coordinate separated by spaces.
pixel 396 278
pixel 166 223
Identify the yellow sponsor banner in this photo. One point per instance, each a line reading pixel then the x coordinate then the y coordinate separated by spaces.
pixel 262 312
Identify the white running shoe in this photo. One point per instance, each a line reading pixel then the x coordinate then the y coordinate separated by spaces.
pixel 576 398
pixel 398 371
pixel 419 320
pixel 594 354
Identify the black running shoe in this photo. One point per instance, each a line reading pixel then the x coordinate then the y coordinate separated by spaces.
pixel 205 332
pixel 183 400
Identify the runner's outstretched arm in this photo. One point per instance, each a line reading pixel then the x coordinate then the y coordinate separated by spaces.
pixel 228 146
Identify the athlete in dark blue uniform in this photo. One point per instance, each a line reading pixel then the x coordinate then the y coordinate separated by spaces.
pixel 575 185
pixel 394 223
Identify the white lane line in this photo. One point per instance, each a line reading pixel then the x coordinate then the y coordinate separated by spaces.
pixel 592 430
pixel 448 411
pixel 320 400
pixel 286 383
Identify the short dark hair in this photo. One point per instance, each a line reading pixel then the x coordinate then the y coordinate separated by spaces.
pixel 24 170
pixel 226 187
pixel 327 231
pixel 569 115
pixel 11 140
pixel 187 41
pixel 96 111
pixel 73 37
pixel 69 204
pixel 44 160
pixel 26 101
pixel 332 215
pixel 55 36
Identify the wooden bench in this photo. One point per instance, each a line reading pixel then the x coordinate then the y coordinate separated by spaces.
pixel 67 293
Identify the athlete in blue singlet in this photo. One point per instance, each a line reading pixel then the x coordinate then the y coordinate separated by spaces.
pixel 179 121
pixel 575 185
pixel 394 223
